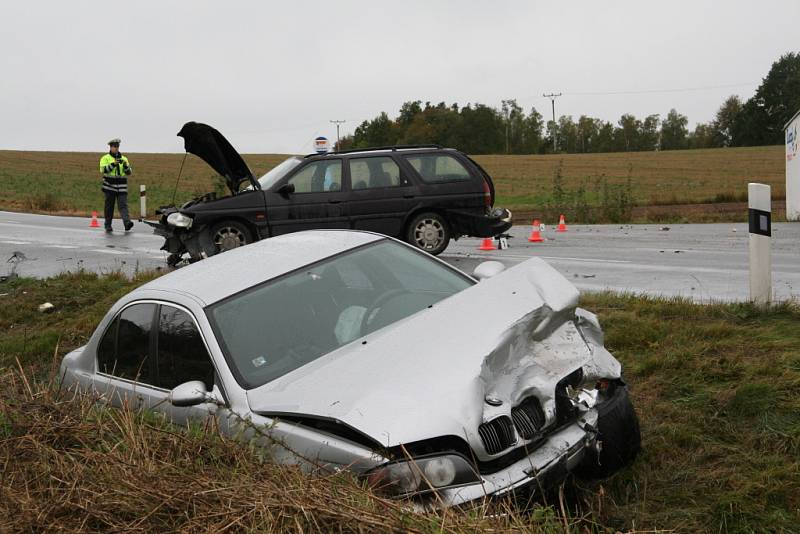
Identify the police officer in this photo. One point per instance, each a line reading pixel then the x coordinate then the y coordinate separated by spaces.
pixel 115 169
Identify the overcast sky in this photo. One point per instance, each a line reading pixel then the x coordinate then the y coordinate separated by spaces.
pixel 271 75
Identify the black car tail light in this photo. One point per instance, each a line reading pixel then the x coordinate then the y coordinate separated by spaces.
pixel 497 435
pixel 528 418
pixel 487 194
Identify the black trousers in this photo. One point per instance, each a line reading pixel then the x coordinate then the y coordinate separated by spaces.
pixel 122 203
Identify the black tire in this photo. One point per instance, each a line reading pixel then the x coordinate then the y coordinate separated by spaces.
pixel 619 435
pixel 228 235
pixel 430 232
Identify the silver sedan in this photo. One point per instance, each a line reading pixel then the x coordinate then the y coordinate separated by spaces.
pixel 342 349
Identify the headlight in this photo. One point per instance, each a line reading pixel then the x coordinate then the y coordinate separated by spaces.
pixel 179 219
pixel 422 475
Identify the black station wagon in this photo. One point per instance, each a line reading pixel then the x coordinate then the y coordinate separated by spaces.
pixel 423 194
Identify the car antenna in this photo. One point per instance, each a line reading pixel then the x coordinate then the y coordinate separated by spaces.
pixel 179 177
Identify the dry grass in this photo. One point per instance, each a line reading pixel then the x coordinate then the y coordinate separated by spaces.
pixel 668 177
pixel 70 464
pixel 524 183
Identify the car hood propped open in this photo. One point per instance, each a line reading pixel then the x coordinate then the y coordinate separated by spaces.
pixel 507 337
pixel 211 146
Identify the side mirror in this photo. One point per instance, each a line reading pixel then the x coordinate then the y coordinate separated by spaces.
pixel 488 269
pixel 286 189
pixel 189 394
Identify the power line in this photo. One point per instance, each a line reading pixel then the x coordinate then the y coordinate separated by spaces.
pixel 651 91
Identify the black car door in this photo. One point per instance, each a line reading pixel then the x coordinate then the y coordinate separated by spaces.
pixel 382 194
pixel 318 201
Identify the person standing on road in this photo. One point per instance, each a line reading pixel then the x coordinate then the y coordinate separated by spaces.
pixel 115 169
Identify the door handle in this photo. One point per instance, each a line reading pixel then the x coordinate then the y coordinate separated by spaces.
pixel 408 196
pixel 334 201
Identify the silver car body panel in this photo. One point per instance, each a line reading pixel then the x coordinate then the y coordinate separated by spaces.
pixel 510 336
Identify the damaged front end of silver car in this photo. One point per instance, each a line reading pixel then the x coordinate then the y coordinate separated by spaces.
pixel 502 387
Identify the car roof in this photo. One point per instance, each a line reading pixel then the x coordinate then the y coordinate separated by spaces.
pixel 222 275
pixel 404 149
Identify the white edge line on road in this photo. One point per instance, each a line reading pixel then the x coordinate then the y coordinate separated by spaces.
pixel 108 251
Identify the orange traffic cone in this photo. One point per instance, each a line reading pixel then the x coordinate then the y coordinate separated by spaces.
pixel 536 236
pixel 487 244
pixel 562 226
pixel 94 223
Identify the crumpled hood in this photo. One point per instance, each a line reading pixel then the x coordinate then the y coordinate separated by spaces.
pixel 506 337
pixel 211 146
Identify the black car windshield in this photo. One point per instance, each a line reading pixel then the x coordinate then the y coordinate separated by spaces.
pixel 280 325
pixel 278 172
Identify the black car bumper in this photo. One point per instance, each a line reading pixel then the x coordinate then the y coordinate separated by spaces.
pixel 480 225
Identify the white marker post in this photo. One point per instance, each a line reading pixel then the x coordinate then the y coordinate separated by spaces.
pixel 760 219
pixel 142 202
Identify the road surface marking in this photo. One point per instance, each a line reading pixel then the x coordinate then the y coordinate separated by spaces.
pixel 16 242
pixel 108 251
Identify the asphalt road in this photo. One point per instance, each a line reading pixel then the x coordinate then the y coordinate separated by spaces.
pixel 700 261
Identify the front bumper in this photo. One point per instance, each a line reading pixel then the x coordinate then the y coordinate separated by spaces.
pixel 543 468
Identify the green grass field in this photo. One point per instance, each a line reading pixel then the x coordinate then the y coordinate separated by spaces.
pixel 591 184
pixel 715 387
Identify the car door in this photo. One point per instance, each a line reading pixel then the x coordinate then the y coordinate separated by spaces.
pixel 148 349
pixel 381 194
pixel 319 199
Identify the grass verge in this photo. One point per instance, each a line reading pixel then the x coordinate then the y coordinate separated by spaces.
pixel 715 387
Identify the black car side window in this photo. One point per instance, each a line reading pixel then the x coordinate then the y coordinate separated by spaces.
pixel 124 350
pixel 370 173
pixel 182 355
pixel 318 177
pixel 438 168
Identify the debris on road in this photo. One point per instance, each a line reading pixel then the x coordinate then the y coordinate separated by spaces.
pixel 664 228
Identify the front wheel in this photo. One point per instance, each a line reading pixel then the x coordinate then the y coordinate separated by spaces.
pixel 429 232
pixel 228 235
pixel 619 436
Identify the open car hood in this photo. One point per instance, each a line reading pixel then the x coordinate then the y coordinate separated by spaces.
pixel 211 146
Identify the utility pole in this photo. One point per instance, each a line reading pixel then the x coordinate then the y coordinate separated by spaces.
pixel 552 97
pixel 337 123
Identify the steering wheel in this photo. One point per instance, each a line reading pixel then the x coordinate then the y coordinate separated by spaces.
pixel 380 301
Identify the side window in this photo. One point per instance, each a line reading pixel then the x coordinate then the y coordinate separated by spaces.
pixel 318 177
pixel 182 356
pixel 438 168
pixel 124 351
pixel 367 173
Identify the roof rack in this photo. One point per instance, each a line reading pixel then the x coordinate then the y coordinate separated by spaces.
pixel 393 148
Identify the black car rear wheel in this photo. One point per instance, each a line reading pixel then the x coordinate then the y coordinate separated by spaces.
pixel 228 235
pixel 429 232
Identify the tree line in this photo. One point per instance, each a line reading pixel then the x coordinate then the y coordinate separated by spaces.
pixel 509 129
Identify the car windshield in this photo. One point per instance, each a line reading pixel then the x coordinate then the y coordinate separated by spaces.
pixel 278 172
pixel 278 326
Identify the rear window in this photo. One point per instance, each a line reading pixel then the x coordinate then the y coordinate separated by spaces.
pixel 371 173
pixel 438 168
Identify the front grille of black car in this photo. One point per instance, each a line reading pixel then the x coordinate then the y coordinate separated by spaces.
pixel 528 418
pixel 497 435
